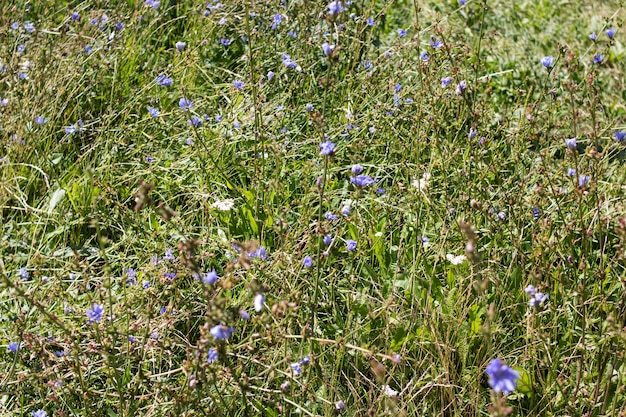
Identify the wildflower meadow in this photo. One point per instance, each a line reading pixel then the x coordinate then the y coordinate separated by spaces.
pixel 312 208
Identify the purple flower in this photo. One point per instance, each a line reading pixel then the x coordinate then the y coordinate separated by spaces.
pixel 461 87
pixel 153 3
pixel 330 216
pixel 472 133
pixel 370 22
pixel 597 58
pixel 14 347
pixel 30 28
pixel 327 148
pixel 185 104
pixel 225 41
pixel 547 61
pixel 401 33
pixel 88 49
pixel 570 143
pixel 195 121
pixel 435 43
pixel 270 75
pixel 15 26
pixel 328 239
pixel 571 172
pixel 340 405
pixel 328 48
pixel 212 356
pixel 536 212
pixel 362 180
pixel 583 180
pixel 307 262
pixel 40 120
pixel 593 36
pixel 153 112
pixel 239 85
pixel 23 273
pixel 501 377
pixel 21 48
pixel 244 315
pixel 210 278
pixel 290 63
pixel 345 210
pixel 610 32
pixel 145 284
pixel 132 275
pixel 221 332
pixel 39 413
pixel 4 102
pixel 537 299
pixel 259 302
pixel 163 80
pixel 620 136
pixel 75 16
pixel 530 290
pixel 335 7
pixel 296 368
pixel 119 26
pixel 424 56
pixel 350 245
pixel 276 21
pixel 180 45
pixel 95 313
pixel 356 169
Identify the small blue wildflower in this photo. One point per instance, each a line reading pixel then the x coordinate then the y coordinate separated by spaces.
pixel 335 7
pixel 597 58
pixel 39 413
pixel 307 262
pixel 570 143
pixel 76 127
pixel 244 315
pixel 169 275
pixel 340 405
pixel 276 21
pixel 195 121
pixel 153 3
pixel 351 245
pixel 547 61
pixel 380 191
pixel 501 377
pixel 259 302
pixel 95 313
pixel 619 136
pixel 330 216
pixel 225 41
pixel 328 239
pixel 180 45
pixel 460 88
pixel 435 43
pixel 593 36
pixel 306 360
pixel 583 180
pixel 94 21
pixel 88 49
pixel 23 273
pixel 119 26
pixel 132 275
pixel 472 133
pixel 30 28
pixel 13 347
pixel 210 278
pixel 462 2
pixel 149 159
pixel 610 32
pixel 270 75
pixel 221 332
pixel 370 22
pixel 75 16
pixel 212 356
pixel 401 33
pixel 163 80
pixel 21 48
pixel 15 26
pixel 327 48
pixel 185 104
pixel 397 87
pixel 424 56
pixel 239 85
pixel 296 368
pixel 345 210
pixel 40 120
pixel 145 284
pixel 163 310
pixel 362 180
pixel 309 108
pixel 292 34
pixel 132 339
pixel 536 212
pixel 4 102
pixel 327 148
pixel 290 63
pixel 154 113
pixel 571 172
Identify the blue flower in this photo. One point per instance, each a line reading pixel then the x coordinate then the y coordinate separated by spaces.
pixel 424 56
pixel 362 180
pixel 335 7
pixel 327 148
pixel 14 347
pixel 163 80
pixel 210 278
pixel 461 87
pixel 547 61
pixel 225 41
pixel 397 87
pixel 95 313
pixel 610 32
pixel 445 81
pixel 570 143
pixel 571 172
pixel 244 315
pixel 290 63
pixel 88 49
pixel 4 102
pixel 350 245
pixel 180 45
pixel 501 377
pixel 145 284
pixel 583 180
pixel 270 75
pixel 307 262
pixel 597 58
pixel 356 169
pixel 39 413
pixel 15 26
pixel 370 22
pixel 75 16
pixel 21 48
pixel 40 120
pixel 330 216
pixel 276 21
pixel 239 85
pixel 401 33
pixel 292 34
pixel 620 136
pixel 30 28
pixel 195 121
pixel 212 356
pixel 153 112
pixel 76 127
pixel 153 3
pixel 23 273
pixel 593 36
pixel 119 26
pixel 462 2
pixel 472 133
pixel 132 275
pixel 185 103
pixel 296 368
pixel 221 332
pixel 327 48
pixel 536 213
pixel 328 239
pixel 345 210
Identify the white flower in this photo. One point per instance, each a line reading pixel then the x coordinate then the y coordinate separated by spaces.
pixel 259 301
pixel 389 392
pixel 456 259
pixel 423 182
pixel 224 205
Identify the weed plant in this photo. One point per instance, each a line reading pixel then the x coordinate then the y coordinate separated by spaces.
pixel 263 208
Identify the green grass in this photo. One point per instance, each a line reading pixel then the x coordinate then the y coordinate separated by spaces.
pixel 78 210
